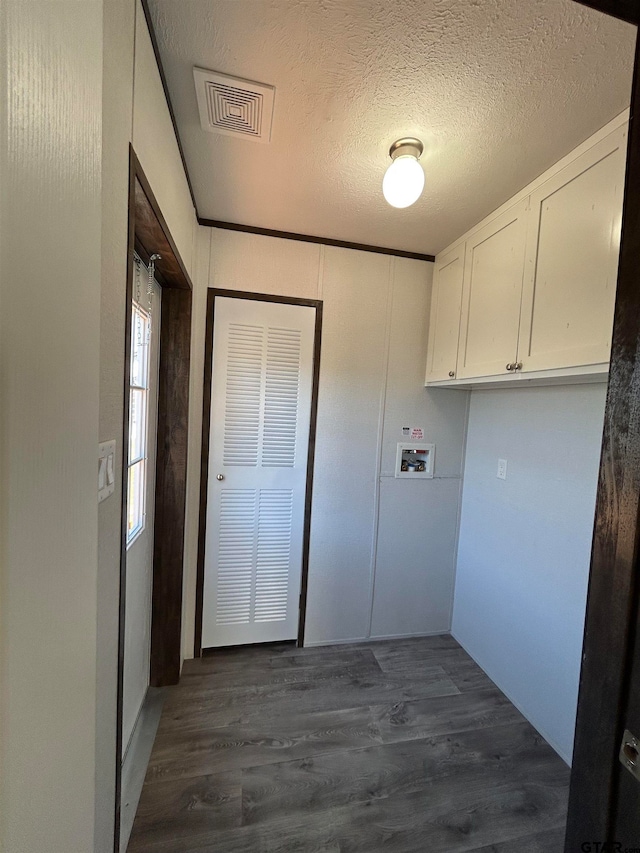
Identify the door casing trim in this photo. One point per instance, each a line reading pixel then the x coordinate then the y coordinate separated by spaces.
pixel 612 601
pixel 148 232
pixel 212 293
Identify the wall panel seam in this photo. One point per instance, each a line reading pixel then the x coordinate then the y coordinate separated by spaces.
pixel 460 501
pixel 379 446
pixel 195 413
pixel 212 267
pixel 320 284
pixel 133 72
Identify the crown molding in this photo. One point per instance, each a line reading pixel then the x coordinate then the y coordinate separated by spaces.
pixel 310 238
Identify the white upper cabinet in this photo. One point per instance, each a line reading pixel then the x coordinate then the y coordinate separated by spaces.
pixel 572 261
pixel 492 291
pixel 444 325
pixel 538 278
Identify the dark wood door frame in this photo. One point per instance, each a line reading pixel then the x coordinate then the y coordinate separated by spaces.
pixel 612 604
pixel 148 234
pixel 212 293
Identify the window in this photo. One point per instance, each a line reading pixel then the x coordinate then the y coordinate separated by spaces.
pixel 138 417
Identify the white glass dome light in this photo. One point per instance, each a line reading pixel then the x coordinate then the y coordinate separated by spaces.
pixel 403 181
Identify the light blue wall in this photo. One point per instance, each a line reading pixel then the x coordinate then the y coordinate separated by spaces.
pixel 524 546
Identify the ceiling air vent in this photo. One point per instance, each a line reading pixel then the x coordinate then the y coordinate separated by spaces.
pixel 234 107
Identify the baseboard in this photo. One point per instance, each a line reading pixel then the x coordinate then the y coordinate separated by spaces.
pixel 136 759
pixel 561 752
pixel 319 643
pixel 375 639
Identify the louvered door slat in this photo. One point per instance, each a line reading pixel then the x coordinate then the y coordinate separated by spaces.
pixel 243 392
pixel 275 516
pixel 281 397
pixel 235 556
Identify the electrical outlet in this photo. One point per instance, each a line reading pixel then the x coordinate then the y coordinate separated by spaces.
pixel 502 469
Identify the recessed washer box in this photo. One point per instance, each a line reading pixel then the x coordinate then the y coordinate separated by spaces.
pixel 415 460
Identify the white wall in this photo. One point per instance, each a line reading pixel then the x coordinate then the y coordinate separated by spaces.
pixel 371 385
pixel 128 64
pixel 155 144
pixel 64 239
pixel 117 129
pixel 50 209
pixel 417 521
pixel 525 542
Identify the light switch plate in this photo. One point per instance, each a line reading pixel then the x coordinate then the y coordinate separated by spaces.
pixel 502 469
pixel 106 469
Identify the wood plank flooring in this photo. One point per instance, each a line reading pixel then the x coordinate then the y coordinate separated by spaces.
pixel 399 746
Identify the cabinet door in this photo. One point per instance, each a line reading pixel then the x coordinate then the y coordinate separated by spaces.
pixel 572 261
pixel 444 324
pixel 492 291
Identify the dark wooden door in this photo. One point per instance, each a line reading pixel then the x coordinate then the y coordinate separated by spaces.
pixel 604 803
pixel 626 819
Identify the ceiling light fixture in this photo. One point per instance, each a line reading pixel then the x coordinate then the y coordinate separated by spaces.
pixel 403 181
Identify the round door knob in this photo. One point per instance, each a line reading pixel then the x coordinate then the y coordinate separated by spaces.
pixel 517 365
pixel 452 373
pixel 509 367
pixel 219 476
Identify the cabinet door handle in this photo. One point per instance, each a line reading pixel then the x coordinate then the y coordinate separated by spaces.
pixel 452 373
pixel 510 367
pixel 517 365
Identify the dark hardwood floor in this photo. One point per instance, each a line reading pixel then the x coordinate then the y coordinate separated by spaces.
pixel 403 746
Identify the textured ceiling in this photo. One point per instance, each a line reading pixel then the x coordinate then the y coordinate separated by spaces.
pixel 498 90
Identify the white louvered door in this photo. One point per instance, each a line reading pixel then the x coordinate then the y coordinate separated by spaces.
pixel 260 417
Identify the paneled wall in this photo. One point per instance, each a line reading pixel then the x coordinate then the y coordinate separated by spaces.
pixel 382 550
pixel 525 545
pixel 155 144
pixel 134 111
pixel 357 294
pixel 417 521
pixel 50 213
pixel 72 69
